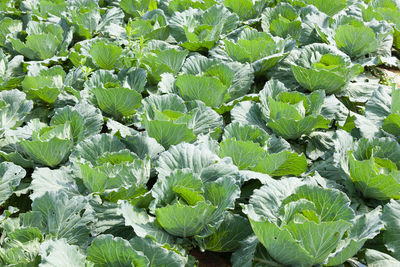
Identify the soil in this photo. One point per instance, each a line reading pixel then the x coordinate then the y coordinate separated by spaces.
pixel 211 259
pixel 393 74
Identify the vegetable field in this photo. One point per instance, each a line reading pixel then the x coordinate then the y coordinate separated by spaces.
pixel 199 133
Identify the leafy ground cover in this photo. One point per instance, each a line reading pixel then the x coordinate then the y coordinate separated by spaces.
pixel 212 133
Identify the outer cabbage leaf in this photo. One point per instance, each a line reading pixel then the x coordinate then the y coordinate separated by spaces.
pixel 249 113
pixel 107 250
pixel 58 252
pixel 106 167
pixel 143 224
pixel 184 156
pixel 245 9
pixel 366 226
pixel 375 178
pixel 183 220
pixel 181 5
pixel 14 108
pixel 244 154
pixel 152 26
pixel 49 153
pixel 44 8
pixel 47 180
pixel 94 147
pixel 197 157
pixel 227 237
pixel 391 213
pixel 159 61
pixel 165 119
pixel 245 133
pixel 11 176
pixel 167 190
pixel 118 102
pixel 234 76
pixel 202 119
pixel 136 8
pixel 64 217
pixel 9 28
pixel 291 129
pixel 282 163
pixel 251 252
pixel 385 10
pixel 105 55
pixel 171 103
pixel 379 259
pixel 86 18
pixel 207 89
pixel 20 243
pixel 168 133
pixel 133 78
pixel 107 218
pixel 143 145
pixel 11 71
pixel 391 123
pixel 12 151
pixel 158 255
pixel 130 175
pixel 329 8
pixel 356 40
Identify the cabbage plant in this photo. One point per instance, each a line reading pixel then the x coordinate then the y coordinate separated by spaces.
pixel 107 167
pixel 374 168
pixel 247 9
pixel 385 10
pixel 259 49
pixel 160 57
pixel 369 40
pixel 297 228
pixel 198 30
pixel 12 71
pixel 182 195
pixel 168 120
pixel 282 20
pixel 248 152
pixel 292 114
pixel 45 40
pixel 180 133
pixel 212 81
pixel 45 85
pixel 320 67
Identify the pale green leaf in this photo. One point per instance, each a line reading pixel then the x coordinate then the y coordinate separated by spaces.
pixel 185 221
pixel 118 102
pixel 54 253
pixel 11 176
pixel 210 90
pixel 391 219
pixel 105 55
pixel 282 163
pixel 107 250
pixel 244 154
